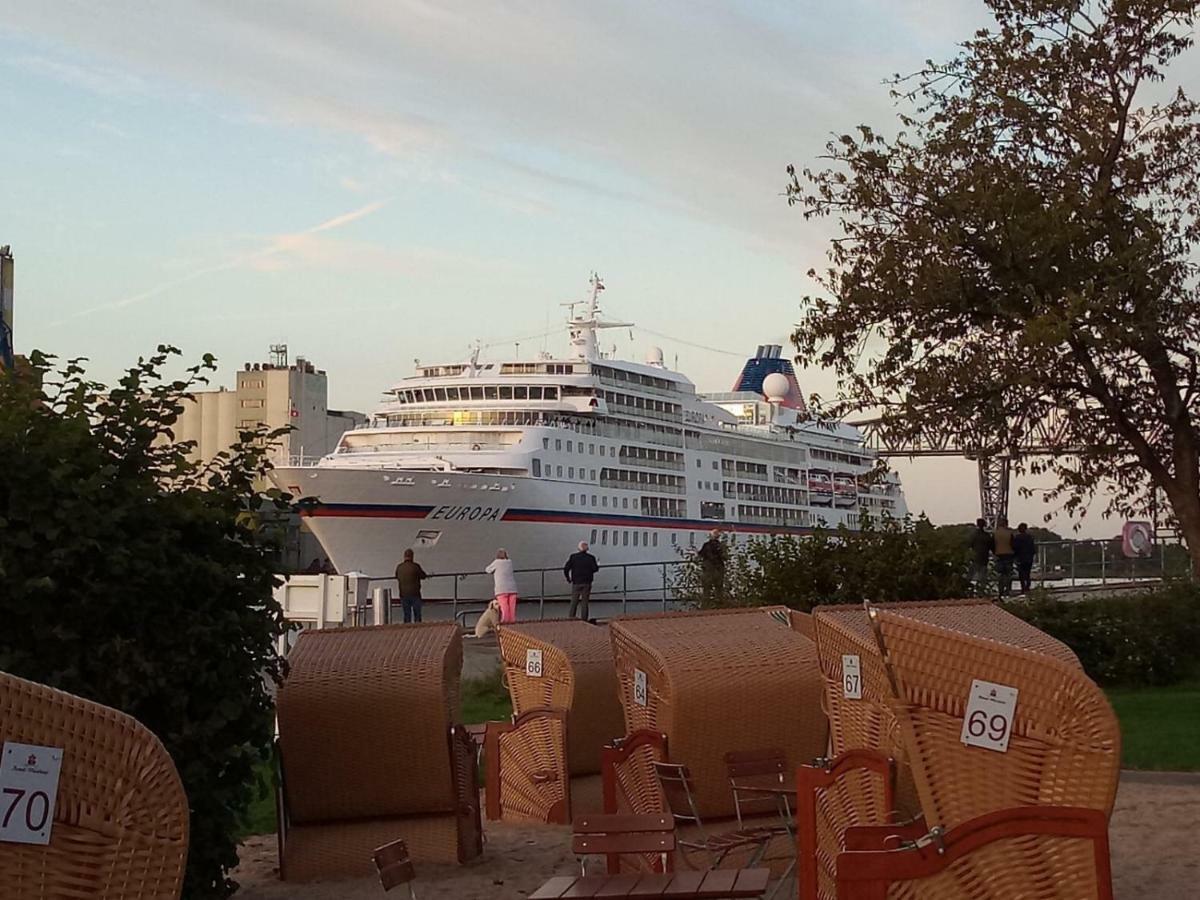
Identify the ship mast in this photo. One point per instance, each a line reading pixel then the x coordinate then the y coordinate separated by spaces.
pixel 583 327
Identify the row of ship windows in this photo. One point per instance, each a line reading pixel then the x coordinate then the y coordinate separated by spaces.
pixel 622 538
pixel 478 392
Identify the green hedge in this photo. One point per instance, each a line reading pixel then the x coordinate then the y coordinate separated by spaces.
pixel 1150 637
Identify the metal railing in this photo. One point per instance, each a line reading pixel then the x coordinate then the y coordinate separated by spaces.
pixel 1091 563
pixel 465 591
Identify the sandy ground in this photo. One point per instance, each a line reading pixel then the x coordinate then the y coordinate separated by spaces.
pixel 1153 835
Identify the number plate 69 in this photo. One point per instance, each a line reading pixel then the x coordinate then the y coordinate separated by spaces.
pixel 989 717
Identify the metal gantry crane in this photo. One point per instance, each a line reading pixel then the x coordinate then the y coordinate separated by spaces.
pixel 1043 438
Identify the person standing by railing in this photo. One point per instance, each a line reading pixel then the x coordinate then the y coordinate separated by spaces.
pixel 504 585
pixel 580 570
pixel 409 575
pixel 1025 550
pixel 1002 540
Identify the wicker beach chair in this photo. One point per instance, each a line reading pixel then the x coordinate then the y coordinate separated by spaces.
pixel 1027 821
pixel 371 750
pixel 564 666
pixel 120 826
pixel 714 683
pixel 867 780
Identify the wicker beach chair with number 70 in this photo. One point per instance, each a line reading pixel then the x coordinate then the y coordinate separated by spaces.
pixel 1015 758
pixel 119 829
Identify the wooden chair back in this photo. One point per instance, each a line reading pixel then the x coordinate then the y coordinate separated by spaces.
pixel 611 835
pixel 679 791
pixel 395 867
pixel 762 764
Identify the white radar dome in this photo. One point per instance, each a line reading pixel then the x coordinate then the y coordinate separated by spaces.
pixel 776 386
pixel 654 357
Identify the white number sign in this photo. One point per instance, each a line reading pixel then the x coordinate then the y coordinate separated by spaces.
pixel 639 687
pixel 533 663
pixel 851 677
pixel 989 717
pixel 28 790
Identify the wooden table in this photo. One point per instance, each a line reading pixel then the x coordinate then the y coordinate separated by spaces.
pixel 719 884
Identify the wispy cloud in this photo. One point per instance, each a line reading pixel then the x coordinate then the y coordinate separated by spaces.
pixel 259 259
pixel 105 82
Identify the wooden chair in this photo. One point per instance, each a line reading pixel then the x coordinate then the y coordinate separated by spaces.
pixel 395 867
pixel 616 835
pixel 760 764
pixel 680 794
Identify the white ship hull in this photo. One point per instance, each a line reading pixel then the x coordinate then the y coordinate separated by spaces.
pixel 455 522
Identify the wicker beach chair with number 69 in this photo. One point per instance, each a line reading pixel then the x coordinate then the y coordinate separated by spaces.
pixel 1015 758
pixel 119 827
pixel 867 780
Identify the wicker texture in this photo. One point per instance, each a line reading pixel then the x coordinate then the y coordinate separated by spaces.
pixel 736 680
pixel 871 724
pixel 1064 751
pixel 530 758
pixel 578 677
pixel 343 849
pixel 121 818
pixel 370 752
pixel 378 702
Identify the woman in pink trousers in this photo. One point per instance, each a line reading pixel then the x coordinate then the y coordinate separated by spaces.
pixel 501 570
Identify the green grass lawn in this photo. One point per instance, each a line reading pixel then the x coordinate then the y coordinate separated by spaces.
pixel 483 700
pixel 1160 726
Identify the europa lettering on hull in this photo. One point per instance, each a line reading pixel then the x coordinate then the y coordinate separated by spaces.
pixel 467 513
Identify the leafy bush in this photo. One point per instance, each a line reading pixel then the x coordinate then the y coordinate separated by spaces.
pixel 132 576
pixel 885 559
pixel 1150 637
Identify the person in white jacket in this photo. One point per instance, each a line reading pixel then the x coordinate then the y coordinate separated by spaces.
pixel 505 589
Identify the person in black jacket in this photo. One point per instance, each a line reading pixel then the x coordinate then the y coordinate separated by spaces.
pixel 712 566
pixel 579 571
pixel 1025 550
pixel 981 549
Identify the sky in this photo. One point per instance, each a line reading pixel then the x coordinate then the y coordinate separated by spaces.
pixel 390 180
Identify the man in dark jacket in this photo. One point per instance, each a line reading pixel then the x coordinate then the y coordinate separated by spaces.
pixel 981 548
pixel 409 574
pixel 579 571
pixel 712 566
pixel 1002 545
pixel 1025 549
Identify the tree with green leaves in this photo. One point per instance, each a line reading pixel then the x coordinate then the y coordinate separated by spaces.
pixel 1018 263
pixel 134 576
pixel 884 559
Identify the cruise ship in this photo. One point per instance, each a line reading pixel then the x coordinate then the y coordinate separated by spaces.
pixel 536 455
